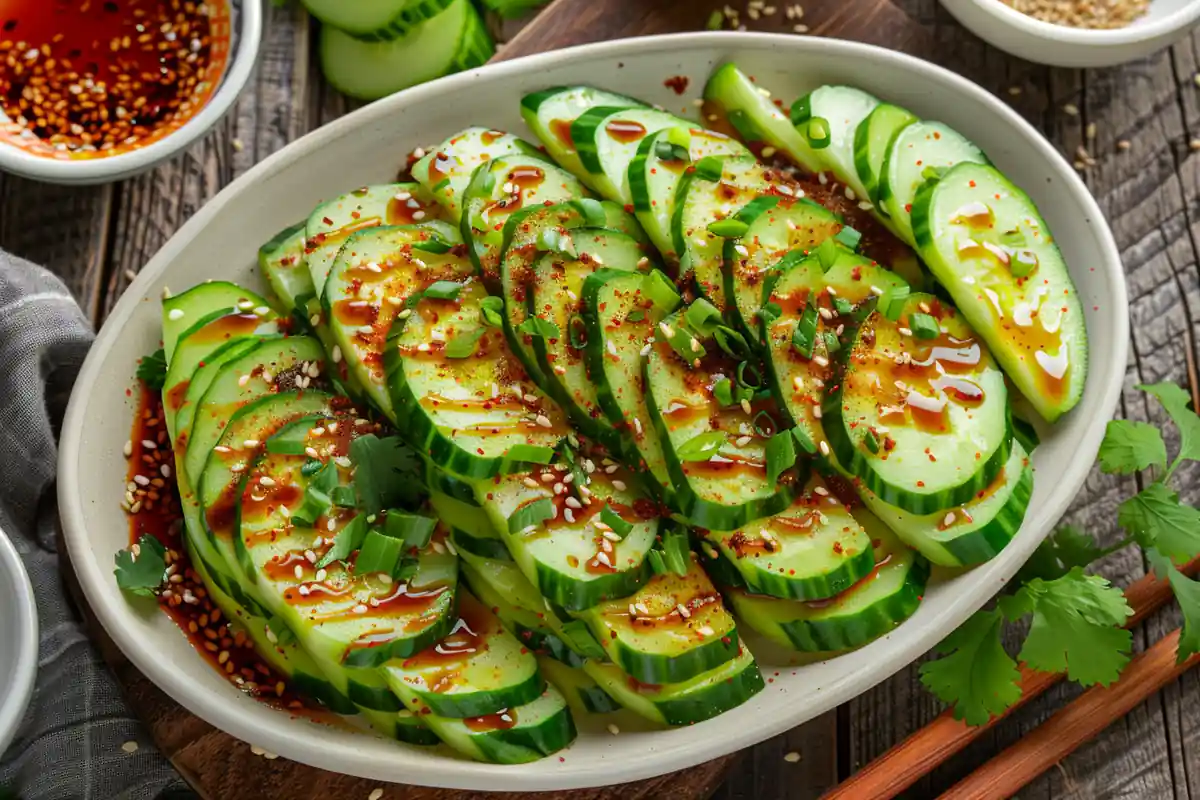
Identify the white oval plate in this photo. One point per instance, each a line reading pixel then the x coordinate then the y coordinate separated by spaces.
pixel 368 147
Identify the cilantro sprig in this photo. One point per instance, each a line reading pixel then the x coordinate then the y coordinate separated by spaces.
pixel 152 369
pixel 142 570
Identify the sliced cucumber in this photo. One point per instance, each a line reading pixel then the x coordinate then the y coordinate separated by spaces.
pixel 973 532
pixel 465 413
pixel 551 112
pixel 671 630
pixel 829 117
pixel 375 20
pixel 583 694
pixel 453 500
pixel 918 151
pixel 732 95
pixel 719 488
pixel 500 187
pixel 811 551
pixel 703 697
pixel 875 605
pixel 446 170
pixel 606 140
pixel 701 202
pixel 985 241
pixel 924 422
pixel 777 226
pixel 374 275
pixel 872 141
pixel 453 41
pixel 282 263
pixel 182 312
pixel 656 169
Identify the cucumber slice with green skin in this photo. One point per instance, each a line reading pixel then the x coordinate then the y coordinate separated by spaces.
pixel 656 169
pixel 671 630
pixel 497 190
pixel 446 170
pixel 607 139
pixel 974 532
pixel 465 414
pixel 812 551
pixel 701 202
pixel 282 263
pixel 839 110
pixel 332 223
pixel 453 41
pixel 512 598
pixel 472 527
pixel 616 310
pixel 375 273
pixel 557 281
pixel 476 669
pixel 730 488
pixel 375 20
pixel 999 262
pixel 872 141
pixel 566 556
pixel 513 736
pixel 774 231
pixel 916 150
pixel 582 694
pixel 181 312
pixel 705 696
pixel 731 96
pixel 799 382
pixel 551 112
pixel 936 410
pixel 875 605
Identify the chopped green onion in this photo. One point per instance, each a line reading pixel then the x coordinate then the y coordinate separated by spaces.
pixel 832 343
pixel 753 209
pixel 311 467
pixel 723 391
pixel 681 340
pixel 769 312
pixel 292 439
pixel 491 310
pixel 804 440
pixel 923 326
pixel 781 455
pixel 730 228
pixel 849 237
pixel 443 290
pixel 554 240
pixel 348 539
pixel 531 515
pixel 529 454
pixel 732 342
pixel 614 520
pixel 464 344
pixel 661 291
pixel 675 550
pixel 702 317
pixel 710 168
pixel 344 496
pixel 1023 262
pixel 933 173
pixel 715 20
pixel 576 631
pixel 893 301
pixel 871 441
pixel 842 307
pixel 764 424
pixel 405 568
pixel 316 497
pixel 701 447
pixel 669 151
pixel 414 530
pixel 540 328
pixel 593 212
pixel 379 553
pixel 1013 238
pixel 818 133
pixel 655 560
pixel 804 337
pixel 433 244
pixel 827 254
pixel 748 375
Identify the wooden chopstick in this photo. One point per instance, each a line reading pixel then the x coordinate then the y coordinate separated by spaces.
pixel 919 754
pixel 1090 713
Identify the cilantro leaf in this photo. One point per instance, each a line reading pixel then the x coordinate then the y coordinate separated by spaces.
pixel 1175 400
pixel 347 540
pixel 387 474
pixel 1066 548
pixel 538 327
pixel 144 573
pixel 1155 518
pixel 152 369
pixel 1187 593
pixel 1130 447
pixel 974 675
pixel 1076 626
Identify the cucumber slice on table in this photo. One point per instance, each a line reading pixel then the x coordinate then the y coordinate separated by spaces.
pixel 873 141
pixel 606 140
pixel 973 532
pixel 282 262
pixel 375 273
pixel 702 697
pixel 829 117
pixel 182 312
pixel 875 605
pixel 732 96
pixel 715 455
pixel 445 171
pixel 812 551
pixel 459 396
pixel 671 630
pixel 375 20
pixel 661 160
pixel 453 41
pixel 919 410
pixel 551 112
pixel 986 242
pixel 918 151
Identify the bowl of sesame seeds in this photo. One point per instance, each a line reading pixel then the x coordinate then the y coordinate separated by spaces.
pixel 99 90
pixel 1077 33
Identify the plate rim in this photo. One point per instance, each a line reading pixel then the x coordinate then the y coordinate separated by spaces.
pixel 12 710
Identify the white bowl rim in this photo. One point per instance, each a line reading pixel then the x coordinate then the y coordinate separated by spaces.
pixel 1005 14
pixel 20 690
pixel 278 734
pixel 98 170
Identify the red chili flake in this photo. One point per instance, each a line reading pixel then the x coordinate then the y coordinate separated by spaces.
pixel 921 483
pixel 677 83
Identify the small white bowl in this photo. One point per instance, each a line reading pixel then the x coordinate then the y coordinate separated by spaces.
pixel 248 18
pixel 1165 22
pixel 19 634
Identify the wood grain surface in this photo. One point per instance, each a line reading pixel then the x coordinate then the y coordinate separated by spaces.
pixel 1150 192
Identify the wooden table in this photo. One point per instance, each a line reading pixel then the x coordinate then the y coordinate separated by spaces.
pixel 97 238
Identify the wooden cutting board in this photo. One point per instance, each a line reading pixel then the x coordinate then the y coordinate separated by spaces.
pixel 220 767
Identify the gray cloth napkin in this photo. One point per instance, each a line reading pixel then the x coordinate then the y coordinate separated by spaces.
pixel 70 743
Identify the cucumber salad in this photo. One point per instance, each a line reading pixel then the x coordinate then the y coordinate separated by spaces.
pixel 549 430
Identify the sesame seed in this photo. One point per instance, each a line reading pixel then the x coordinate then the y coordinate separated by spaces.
pixel 767 152
pixel 375 794
pixel 619 485
pixel 613 729
pixel 742 441
pixel 336 354
pixel 791 757
pixel 573 503
pixel 602 558
pixel 568 515
pixel 298 572
pixel 266 480
pixel 128 450
pixel 360 609
pixel 610 535
pixel 948 520
pixel 543 421
pixel 141 480
pixel 130 747
pixel 632 610
pixel 175 314
pixel 530 482
pixel 824 448
pixel 816 412
pixel 821 491
pixel 683 611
